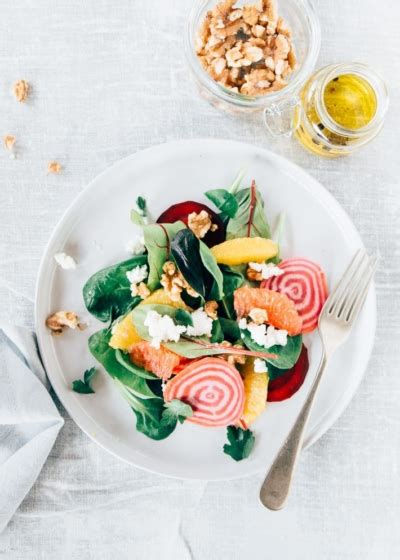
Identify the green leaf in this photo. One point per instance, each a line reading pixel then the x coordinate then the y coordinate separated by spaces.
pixel 81 387
pixel 274 372
pixel 183 317
pixel 250 220
pixel 137 218
pixel 157 239
pixel 84 387
pixel 230 329
pixel 224 201
pixel 107 294
pixel 197 265
pixel 287 355
pixel 241 443
pixel 176 411
pixel 146 404
pixel 232 280
pixel 217 289
pixel 142 205
pixel 217 334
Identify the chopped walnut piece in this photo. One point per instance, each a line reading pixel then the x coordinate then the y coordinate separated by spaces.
pixel 53 167
pixel 173 282
pixel 210 308
pixel 21 90
pixel 248 38
pixel 140 290
pixel 258 316
pixel 61 319
pixel 253 275
pixel 236 358
pixel 201 223
pixel 9 142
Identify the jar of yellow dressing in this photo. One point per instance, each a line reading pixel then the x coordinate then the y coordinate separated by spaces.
pixel 342 107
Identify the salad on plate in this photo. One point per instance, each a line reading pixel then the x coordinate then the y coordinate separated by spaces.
pixel 204 323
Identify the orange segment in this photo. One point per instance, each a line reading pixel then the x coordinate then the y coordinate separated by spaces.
pixel 244 250
pixel 255 390
pixel 160 361
pixel 281 311
pixel 125 334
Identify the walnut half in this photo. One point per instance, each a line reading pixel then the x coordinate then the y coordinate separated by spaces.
pixel 21 90
pixel 58 321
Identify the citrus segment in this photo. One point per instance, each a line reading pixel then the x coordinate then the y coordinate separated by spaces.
pixel 244 250
pixel 255 389
pixel 281 311
pixel 213 388
pixel 159 361
pixel 304 282
pixel 124 334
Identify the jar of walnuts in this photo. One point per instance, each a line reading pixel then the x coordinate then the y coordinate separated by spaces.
pixel 253 56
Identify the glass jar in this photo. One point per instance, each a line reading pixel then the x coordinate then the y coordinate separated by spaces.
pixel 364 93
pixel 278 108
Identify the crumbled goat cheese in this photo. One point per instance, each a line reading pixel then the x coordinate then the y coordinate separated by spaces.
pixel 260 366
pixel 162 328
pixel 65 261
pixel 267 270
pixel 263 335
pixel 137 274
pixel 135 246
pixel 202 324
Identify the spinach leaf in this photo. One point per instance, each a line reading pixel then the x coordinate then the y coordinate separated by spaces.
pixel 217 334
pixel 224 201
pixel 217 288
pixel 230 329
pixel 250 220
pixel 157 239
pixel 176 411
pixel 287 355
pixel 146 404
pixel 183 317
pixel 84 387
pixel 232 280
pixel 107 294
pixel 241 443
pixel 141 205
pixel 274 372
pixel 197 265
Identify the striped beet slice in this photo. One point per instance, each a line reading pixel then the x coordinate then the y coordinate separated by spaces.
pixel 213 388
pixel 304 282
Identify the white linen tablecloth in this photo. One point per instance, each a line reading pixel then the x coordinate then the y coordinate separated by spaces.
pixel 109 78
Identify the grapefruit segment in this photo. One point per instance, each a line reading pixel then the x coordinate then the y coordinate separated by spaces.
pixel 304 282
pixel 281 311
pixel 213 388
pixel 159 361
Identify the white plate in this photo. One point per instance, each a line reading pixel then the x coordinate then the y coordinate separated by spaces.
pixel 94 230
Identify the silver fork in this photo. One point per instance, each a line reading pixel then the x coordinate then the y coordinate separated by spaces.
pixel 336 320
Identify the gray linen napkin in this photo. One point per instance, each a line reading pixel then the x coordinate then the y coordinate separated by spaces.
pixel 29 420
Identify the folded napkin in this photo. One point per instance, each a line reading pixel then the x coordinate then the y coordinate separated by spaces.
pixel 29 420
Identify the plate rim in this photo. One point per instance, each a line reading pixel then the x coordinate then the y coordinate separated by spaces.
pixel 318 191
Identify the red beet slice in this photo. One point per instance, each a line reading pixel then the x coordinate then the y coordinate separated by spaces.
pixel 289 383
pixel 181 212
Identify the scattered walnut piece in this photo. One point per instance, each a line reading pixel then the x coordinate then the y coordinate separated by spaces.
pixel 234 359
pixel 247 38
pixel 253 275
pixel 201 223
pixel 61 319
pixel 21 90
pixel 140 290
pixel 211 309
pixel 9 143
pixel 173 282
pixel 258 316
pixel 54 167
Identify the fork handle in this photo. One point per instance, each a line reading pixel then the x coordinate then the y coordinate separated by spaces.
pixel 276 486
